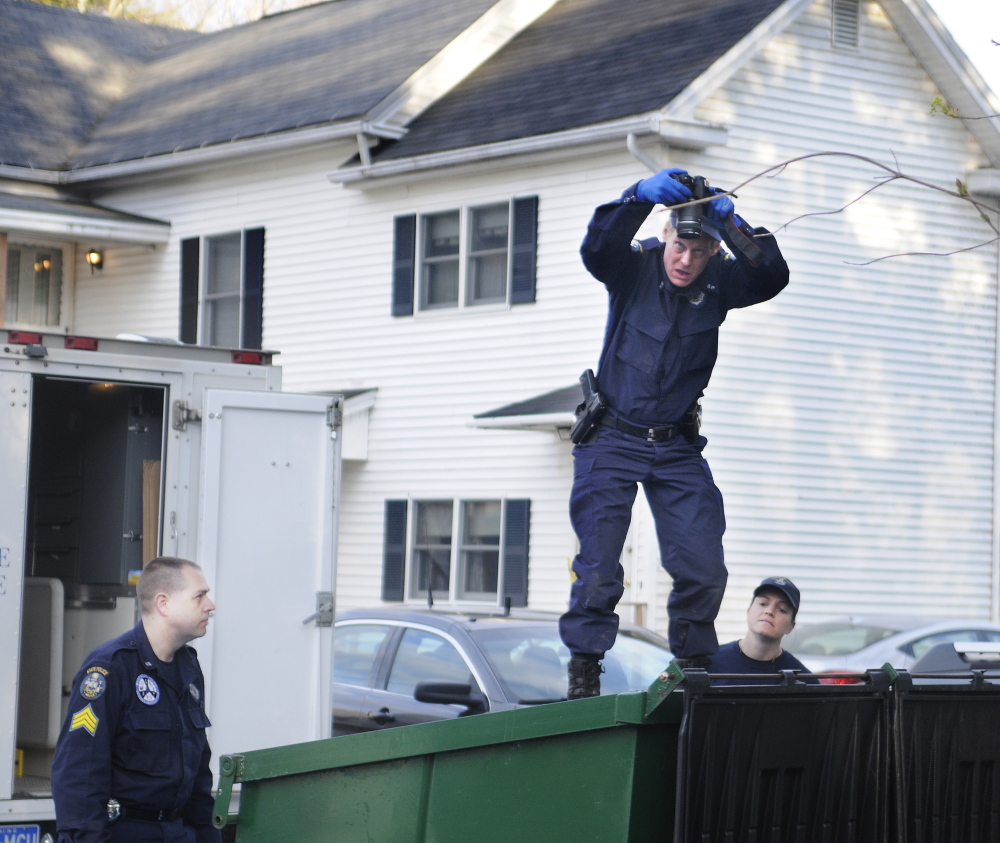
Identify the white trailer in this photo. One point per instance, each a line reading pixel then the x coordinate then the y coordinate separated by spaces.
pixel 116 451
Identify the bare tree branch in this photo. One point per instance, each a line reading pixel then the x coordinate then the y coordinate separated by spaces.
pixel 925 254
pixel 890 175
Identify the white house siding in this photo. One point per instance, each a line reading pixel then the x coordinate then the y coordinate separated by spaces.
pixel 903 349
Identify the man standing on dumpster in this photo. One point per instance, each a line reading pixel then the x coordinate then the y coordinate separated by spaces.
pixel 666 302
pixel 132 760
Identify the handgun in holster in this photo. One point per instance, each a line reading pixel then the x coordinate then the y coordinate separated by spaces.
pixel 691 423
pixel 590 412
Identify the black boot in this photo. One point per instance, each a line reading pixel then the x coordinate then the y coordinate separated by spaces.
pixel 584 678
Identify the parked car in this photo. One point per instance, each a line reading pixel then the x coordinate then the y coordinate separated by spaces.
pixel 393 667
pixel 960 658
pixel 859 643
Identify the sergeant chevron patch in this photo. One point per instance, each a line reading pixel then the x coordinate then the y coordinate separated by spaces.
pixel 85 719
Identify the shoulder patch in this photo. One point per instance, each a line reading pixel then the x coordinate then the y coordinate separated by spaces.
pixel 85 719
pixel 94 684
pixel 97 669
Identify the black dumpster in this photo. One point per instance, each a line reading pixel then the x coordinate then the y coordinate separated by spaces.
pixel 947 758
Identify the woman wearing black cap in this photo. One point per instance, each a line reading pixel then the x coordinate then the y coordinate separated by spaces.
pixel 770 618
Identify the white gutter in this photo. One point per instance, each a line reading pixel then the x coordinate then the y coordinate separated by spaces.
pixel 686 134
pixel 83 228
pixel 276 142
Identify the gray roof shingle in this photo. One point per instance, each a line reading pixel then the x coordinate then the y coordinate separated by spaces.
pixel 310 67
pixel 84 210
pixel 82 90
pixel 60 72
pixel 584 62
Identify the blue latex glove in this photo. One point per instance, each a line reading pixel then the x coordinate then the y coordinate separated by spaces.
pixel 663 188
pixel 719 209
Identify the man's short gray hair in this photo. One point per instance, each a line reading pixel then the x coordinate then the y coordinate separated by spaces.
pixel 162 575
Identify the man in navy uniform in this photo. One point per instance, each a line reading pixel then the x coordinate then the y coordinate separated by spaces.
pixel 666 303
pixel 770 617
pixel 132 760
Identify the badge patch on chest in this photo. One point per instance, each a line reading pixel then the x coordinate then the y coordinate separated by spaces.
pixel 147 690
pixel 85 719
pixel 93 685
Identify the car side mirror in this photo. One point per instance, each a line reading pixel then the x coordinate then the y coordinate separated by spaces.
pixel 451 693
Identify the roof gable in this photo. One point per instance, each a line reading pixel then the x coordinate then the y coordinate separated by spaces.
pixel 583 63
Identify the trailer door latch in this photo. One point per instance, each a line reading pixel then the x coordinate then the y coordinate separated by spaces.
pixel 324 610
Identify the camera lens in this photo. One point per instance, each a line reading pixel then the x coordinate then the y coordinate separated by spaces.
pixel 689 219
pixel 689 223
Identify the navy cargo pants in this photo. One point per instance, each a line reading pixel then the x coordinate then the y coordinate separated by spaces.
pixel 687 508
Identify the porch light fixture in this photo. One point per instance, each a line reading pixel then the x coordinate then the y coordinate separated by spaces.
pixel 95 257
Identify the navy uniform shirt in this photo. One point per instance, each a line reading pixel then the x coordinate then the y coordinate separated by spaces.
pixel 134 732
pixel 731 659
pixel 662 341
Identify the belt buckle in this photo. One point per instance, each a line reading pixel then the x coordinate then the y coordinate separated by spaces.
pixel 651 434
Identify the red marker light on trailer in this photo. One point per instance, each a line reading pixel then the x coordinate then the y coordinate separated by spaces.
pixel 82 343
pixel 255 358
pixel 23 338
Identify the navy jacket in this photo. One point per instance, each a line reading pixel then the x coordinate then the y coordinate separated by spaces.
pixel 133 736
pixel 731 659
pixel 662 341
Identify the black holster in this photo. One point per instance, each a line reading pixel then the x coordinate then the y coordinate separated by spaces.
pixel 590 412
pixel 690 425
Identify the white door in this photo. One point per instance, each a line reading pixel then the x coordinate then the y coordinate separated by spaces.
pixel 15 416
pixel 267 541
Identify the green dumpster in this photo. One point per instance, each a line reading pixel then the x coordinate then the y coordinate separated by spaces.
pixel 790 762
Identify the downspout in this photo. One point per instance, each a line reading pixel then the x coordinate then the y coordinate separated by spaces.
pixel 995 549
pixel 363 151
pixel 632 144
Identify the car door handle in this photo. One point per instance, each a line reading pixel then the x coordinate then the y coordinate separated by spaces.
pixel 382 716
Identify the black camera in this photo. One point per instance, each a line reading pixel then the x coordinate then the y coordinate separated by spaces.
pixel 689 218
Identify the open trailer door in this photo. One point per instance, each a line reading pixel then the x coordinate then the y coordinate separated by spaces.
pixel 270 485
pixel 15 424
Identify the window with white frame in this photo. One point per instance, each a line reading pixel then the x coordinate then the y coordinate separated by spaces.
pixel 465 257
pixel 222 281
pixel 34 285
pixel 456 550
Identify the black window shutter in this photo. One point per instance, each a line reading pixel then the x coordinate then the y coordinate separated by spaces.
pixel 253 288
pixel 394 550
pixel 190 269
pixel 515 554
pixel 522 279
pixel 404 251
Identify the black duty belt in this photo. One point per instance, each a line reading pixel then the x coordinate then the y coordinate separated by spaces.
pixel 650 434
pixel 128 813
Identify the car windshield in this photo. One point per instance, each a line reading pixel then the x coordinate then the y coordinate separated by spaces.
pixel 531 661
pixel 835 638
